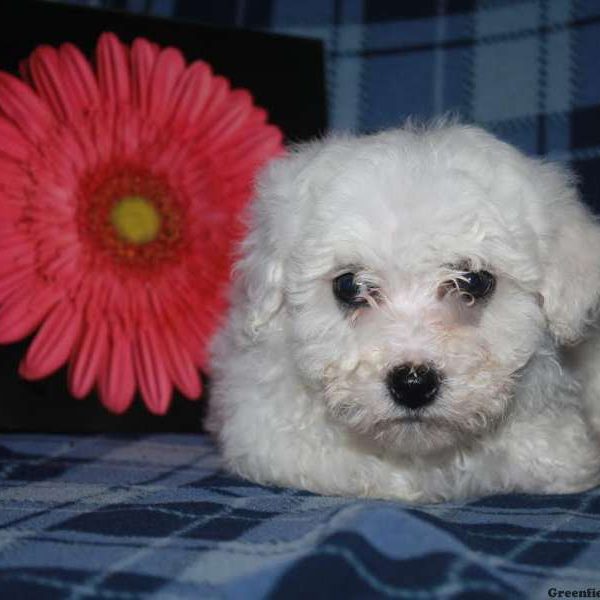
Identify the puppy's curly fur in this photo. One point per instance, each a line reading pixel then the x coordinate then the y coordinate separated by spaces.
pixel 300 395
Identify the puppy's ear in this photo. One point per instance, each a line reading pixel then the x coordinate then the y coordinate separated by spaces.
pixel 571 280
pixel 275 218
pixel 261 275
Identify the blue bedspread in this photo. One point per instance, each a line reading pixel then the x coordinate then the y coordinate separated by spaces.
pixel 153 515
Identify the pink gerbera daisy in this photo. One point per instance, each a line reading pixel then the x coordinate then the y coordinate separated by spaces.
pixel 120 193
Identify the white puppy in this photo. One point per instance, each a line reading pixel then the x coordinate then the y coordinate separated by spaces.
pixel 407 320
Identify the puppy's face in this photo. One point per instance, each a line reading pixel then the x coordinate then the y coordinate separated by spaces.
pixel 412 291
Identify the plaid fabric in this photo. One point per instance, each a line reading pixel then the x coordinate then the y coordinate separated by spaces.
pixel 526 69
pixel 126 517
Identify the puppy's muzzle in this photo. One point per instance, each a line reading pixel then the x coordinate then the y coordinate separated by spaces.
pixel 413 386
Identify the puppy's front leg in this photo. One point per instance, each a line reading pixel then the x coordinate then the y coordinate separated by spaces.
pixel 309 455
pixel 584 360
pixel 556 453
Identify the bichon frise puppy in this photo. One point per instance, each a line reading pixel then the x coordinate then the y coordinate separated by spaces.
pixel 411 319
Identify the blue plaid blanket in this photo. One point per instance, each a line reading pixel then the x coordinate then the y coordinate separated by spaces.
pixel 153 515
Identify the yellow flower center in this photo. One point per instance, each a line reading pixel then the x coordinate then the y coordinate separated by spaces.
pixel 136 220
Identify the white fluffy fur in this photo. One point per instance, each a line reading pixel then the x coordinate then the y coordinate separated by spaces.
pixel 299 396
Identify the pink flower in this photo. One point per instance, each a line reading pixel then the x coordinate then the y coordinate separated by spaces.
pixel 120 193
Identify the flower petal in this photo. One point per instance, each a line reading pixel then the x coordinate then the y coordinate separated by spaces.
pixel 218 95
pixel 53 343
pixel 171 157
pixel 13 143
pixel 143 57
pixel 100 132
pixel 89 356
pixel 20 105
pixel 113 68
pixel 116 382
pixel 151 373
pixel 249 154
pixel 16 282
pixel 167 70
pixel 46 74
pixel 78 77
pixel 21 317
pixel 181 366
pixel 229 123
pixel 127 134
pixel 179 363
pixel 191 333
pixel 59 259
pixel 191 94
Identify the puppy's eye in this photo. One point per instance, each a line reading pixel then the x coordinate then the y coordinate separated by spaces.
pixel 472 285
pixel 477 284
pixel 348 290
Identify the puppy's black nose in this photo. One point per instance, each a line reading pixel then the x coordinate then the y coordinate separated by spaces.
pixel 413 386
